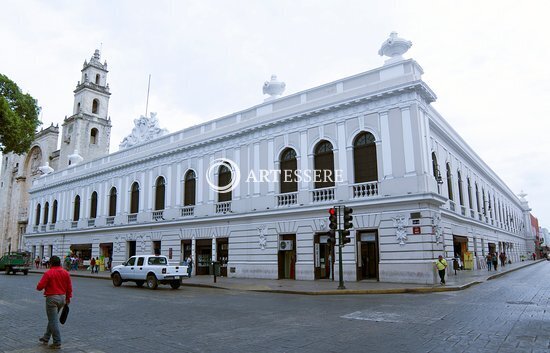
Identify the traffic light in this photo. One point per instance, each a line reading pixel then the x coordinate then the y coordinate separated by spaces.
pixel 346 236
pixel 333 219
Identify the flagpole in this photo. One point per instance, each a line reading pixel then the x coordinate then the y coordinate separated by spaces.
pixel 147 104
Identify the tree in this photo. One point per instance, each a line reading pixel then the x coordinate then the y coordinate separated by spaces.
pixel 18 118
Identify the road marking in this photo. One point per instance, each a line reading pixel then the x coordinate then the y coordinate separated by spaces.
pixel 379 316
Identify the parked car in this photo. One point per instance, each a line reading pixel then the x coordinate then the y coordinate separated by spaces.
pixel 150 269
pixel 16 262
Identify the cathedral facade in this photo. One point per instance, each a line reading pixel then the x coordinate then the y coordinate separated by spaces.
pixel 85 135
pixel 252 190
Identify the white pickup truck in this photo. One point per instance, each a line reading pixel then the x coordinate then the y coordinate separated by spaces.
pixel 150 269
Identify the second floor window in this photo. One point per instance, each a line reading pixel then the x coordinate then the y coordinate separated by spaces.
pixel 134 198
pixel 93 205
pixel 37 215
pixel 288 165
pixel 449 181
pixel 364 158
pixel 76 209
pixel 324 165
pixel 112 202
pixel 224 179
pixel 189 188
pixel 54 212
pixel 160 194
pixel 46 211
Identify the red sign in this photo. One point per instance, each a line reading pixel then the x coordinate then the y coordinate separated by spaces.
pixel 416 230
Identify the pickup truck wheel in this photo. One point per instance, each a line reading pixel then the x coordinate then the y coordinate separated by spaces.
pixel 117 280
pixel 152 282
pixel 175 284
pixel 140 283
pixel 25 272
pixel 8 269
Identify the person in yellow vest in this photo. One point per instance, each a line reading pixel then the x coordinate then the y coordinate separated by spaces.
pixel 441 264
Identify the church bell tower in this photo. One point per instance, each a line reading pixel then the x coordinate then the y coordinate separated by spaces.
pixel 86 133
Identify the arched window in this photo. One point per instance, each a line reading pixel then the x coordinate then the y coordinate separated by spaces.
pixel 78 107
pixel 364 158
pixel 37 216
pixel 288 165
pixel 435 167
pixel 449 181
pixel 112 202
pixel 93 136
pixel 76 210
pixel 93 205
pixel 134 198
pixel 460 196
pixel 477 199
pixel 97 79
pixel 224 179
pixel 159 194
pixel 95 106
pixel 470 200
pixel 54 212
pixel 189 188
pixel 484 201
pixel 46 213
pixel 324 165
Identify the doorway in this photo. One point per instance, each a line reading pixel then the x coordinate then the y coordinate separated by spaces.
pixel 203 256
pixel 222 247
pixel 156 247
pixel 367 256
pixel 131 248
pixel 323 253
pixel 460 246
pixel 286 257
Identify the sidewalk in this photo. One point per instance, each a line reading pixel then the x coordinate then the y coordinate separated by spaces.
pixel 460 281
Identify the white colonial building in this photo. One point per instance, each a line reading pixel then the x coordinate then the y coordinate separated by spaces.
pixel 416 188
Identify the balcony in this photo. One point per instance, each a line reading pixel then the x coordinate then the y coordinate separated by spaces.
pixel 132 218
pixel 223 207
pixel 35 229
pixel 363 190
pixel 43 228
pixel 472 214
pixel 110 221
pixel 52 226
pixel 463 210
pixel 287 199
pixel 187 211
pixel 74 224
pixel 91 222
pixel 158 215
pixel 322 195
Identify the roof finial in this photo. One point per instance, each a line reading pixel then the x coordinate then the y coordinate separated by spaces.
pixel 274 88
pixel 394 47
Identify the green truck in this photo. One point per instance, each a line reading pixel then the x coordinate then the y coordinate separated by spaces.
pixel 14 262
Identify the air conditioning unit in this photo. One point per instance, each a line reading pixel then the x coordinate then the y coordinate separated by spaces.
pixel 285 245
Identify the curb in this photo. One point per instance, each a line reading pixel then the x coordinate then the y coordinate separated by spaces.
pixel 335 291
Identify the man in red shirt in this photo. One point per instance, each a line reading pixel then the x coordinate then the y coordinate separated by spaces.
pixel 58 291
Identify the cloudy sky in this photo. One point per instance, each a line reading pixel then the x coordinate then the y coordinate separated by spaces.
pixel 488 62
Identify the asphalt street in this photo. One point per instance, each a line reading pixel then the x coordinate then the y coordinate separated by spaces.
pixel 508 314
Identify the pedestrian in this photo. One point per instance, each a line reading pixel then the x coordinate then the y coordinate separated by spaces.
pixel 37 262
pixel 495 261
pixel 441 264
pixel 189 266
pixel 58 290
pixel 534 256
pixel 489 260
pixel 502 257
pixel 92 264
pixel 96 264
pixel 109 262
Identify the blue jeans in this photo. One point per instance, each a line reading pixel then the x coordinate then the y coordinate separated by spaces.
pixel 54 303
